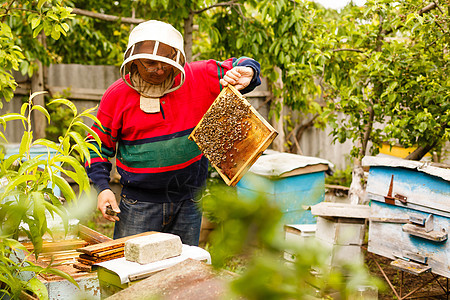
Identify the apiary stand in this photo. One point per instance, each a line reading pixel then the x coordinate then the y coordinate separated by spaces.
pixel 410 215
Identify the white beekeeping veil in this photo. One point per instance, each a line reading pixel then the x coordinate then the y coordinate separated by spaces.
pixel 149 40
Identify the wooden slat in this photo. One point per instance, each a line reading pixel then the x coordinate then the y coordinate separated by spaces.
pixel 57 246
pixel 109 252
pixel 437 236
pixel 99 259
pixel 92 236
pixel 410 267
pixel 83 267
pixel 78 93
pixel 389 220
pixel 88 257
pixel 345 210
pixel 59 257
pixel 105 246
pixel 86 261
pixel 64 255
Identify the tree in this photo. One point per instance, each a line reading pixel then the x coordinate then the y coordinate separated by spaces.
pixel 381 66
pixel 22 22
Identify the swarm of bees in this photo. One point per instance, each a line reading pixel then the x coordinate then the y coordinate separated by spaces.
pixel 222 127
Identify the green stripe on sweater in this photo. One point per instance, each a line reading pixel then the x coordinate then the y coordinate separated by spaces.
pixel 158 154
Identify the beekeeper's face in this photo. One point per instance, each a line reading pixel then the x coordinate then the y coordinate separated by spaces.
pixel 153 71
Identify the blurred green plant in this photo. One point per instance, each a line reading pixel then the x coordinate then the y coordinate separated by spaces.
pixel 251 227
pixel 27 192
pixel 340 177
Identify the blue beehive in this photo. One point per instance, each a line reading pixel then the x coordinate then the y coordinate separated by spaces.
pixel 410 214
pixel 293 182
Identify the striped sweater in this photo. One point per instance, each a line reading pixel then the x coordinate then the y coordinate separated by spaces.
pixel 155 159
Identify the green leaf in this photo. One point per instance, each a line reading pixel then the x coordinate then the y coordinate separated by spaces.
pixel 67 103
pixel 13 244
pixel 89 130
pixel 37 94
pixel 55 34
pixel 80 142
pixel 66 146
pixel 35 22
pixel 3 137
pixel 30 165
pixel 42 110
pixel 81 176
pixel 11 117
pixel 25 143
pixel 41 3
pixel 63 275
pixel 23 109
pixel 239 43
pixel 16 182
pixel 35 235
pixel 95 149
pixel 259 38
pixel 10 160
pixel 295 40
pixel 47 143
pixel 165 3
pixel 37 30
pixel 65 26
pixel 65 187
pixel 423 127
pixel 39 211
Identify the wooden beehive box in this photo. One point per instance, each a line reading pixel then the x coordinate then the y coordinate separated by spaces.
pixel 409 214
pixel 62 255
pixel 232 135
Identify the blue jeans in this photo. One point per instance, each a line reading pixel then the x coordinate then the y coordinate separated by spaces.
pixel 181 218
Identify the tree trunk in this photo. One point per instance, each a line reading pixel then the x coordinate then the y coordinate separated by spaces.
pixel 420 152
pixel 356 194
pixel 278 143
pixel 37 85
pixel 188 28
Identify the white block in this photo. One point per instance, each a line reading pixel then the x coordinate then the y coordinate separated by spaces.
pixel 153 247
pixel 297 234
pixel 339 255
pixel 340 233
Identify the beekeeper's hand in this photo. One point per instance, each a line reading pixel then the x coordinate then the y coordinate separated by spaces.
pixel 239 77
pixel 104 199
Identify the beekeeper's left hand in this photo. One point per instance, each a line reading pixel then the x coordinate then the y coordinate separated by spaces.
pixel 239 77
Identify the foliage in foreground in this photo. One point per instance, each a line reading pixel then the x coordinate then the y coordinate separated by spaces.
pixel 251 227
pixel 28 198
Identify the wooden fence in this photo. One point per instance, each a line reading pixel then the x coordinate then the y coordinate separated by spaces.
pixel 85 85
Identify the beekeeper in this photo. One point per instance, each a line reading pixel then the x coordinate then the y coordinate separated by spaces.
pixel 146 118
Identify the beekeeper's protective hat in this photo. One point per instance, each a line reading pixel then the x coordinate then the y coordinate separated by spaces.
pixel 151 40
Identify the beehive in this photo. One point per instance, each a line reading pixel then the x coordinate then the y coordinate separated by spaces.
pixel 232 135
pixel 409 213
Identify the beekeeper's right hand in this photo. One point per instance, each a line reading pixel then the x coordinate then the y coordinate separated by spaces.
pixel 105 198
